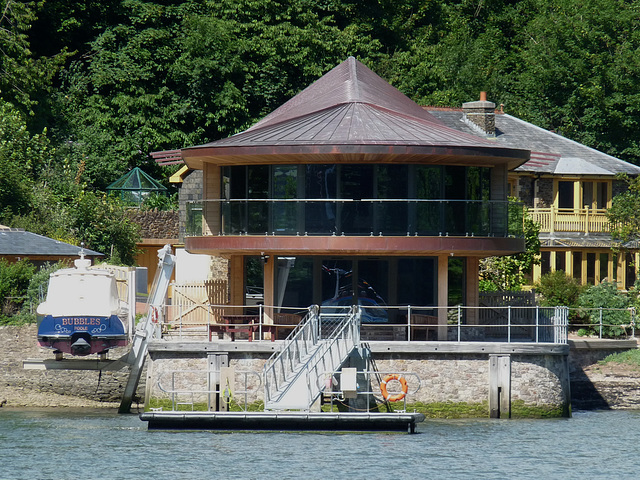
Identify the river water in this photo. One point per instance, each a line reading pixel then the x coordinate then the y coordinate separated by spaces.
pixel 66 444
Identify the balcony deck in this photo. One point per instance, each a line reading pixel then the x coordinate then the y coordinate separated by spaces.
pixel 584 220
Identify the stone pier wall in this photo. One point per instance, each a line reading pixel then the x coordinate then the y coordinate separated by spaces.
pixel 446 373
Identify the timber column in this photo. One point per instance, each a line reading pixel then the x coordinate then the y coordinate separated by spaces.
pixel 443 296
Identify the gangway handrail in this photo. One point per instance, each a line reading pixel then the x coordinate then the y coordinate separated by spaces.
pixel 349 333
pixel 323 351
pixel 299 344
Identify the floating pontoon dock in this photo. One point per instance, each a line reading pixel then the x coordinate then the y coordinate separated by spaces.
pixel 280 421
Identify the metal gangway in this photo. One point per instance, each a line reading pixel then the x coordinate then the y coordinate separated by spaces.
pixel 320 343
pixel 150 327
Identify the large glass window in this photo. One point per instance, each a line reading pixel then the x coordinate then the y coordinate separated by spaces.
pixel 356 182
pixel 379 199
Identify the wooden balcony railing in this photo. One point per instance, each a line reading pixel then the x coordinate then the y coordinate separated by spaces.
pixel 584 220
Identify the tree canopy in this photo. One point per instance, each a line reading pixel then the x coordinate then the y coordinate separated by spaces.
pixel 88 89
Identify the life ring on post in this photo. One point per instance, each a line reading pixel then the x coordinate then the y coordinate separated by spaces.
pixel 154 314
pixel 403 384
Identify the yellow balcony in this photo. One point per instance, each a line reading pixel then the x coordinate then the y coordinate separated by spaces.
pixel 584 220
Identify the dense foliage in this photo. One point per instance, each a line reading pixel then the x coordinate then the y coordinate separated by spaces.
pixel 89 88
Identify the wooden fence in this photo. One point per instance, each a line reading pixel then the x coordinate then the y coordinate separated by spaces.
pixel 192 301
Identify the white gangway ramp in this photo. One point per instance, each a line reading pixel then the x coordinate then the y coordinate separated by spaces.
pixel 293 377
pixel 150 328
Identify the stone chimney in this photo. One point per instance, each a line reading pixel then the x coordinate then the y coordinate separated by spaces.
pixel 481 115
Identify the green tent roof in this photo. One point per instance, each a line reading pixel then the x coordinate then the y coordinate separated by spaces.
pixel 136 180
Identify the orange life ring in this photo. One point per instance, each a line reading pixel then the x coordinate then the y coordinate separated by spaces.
pixel 403 384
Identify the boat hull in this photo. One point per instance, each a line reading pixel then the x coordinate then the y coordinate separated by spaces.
pixel 82 334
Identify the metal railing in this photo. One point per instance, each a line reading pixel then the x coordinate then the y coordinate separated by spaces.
pixel 389 323
pixel 181 392
pixel 387 217
pixel 604 322
pixel 369 392
pixel 280 367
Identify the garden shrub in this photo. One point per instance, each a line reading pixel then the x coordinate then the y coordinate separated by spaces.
pixel 607 300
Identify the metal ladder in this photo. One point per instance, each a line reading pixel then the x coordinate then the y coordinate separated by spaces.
pixel 293 376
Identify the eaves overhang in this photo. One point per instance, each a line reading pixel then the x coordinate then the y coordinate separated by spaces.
pixel 196 157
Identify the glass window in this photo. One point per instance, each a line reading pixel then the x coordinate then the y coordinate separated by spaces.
pixel 417 281
pixel 630 272
pixel 320 183
pixel 576 260
pixel 392 218
pixel 591 268
pixel 356 182
pixel 561 261
pixel 587 194
pixel 285 186
pixel 565 194
pixel 604 267
pixel 457 292
pixel 602 195
pixel 294 282
pixel 545 262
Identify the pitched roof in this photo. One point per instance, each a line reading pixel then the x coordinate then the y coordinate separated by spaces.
pixel 351 114
pixel 550 152
pixel 17 242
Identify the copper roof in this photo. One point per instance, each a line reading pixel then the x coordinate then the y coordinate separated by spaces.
pixel 352 115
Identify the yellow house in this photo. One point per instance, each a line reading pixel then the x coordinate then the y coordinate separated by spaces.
pixel 567 187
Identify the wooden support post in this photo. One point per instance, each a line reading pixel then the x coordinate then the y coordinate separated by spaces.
pixel 443 296
pixel 499 386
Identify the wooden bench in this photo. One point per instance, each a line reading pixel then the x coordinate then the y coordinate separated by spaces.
pixel 233 324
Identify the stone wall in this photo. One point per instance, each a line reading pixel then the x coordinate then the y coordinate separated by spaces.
pixel 20 387
pixel 190 190
pixel 156 223
pixel 545 193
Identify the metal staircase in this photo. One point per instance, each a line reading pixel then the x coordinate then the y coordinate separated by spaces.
pixel 294 376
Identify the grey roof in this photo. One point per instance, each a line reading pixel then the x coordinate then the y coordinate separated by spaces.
pixel 17 242
pixel 354 114
pixel 550 152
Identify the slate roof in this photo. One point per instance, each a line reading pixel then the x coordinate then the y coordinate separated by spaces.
pixel 353 113
pixel 550 153
pixel 17 242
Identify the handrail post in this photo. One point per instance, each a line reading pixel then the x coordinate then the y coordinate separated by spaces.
pixel 537 323
pixel 409 323
pixel 459 322
pixel 600 322
pixel 509 324
pixel 260 320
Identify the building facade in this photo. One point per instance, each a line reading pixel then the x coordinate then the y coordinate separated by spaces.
pixel 350 193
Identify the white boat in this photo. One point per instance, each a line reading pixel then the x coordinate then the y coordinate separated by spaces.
pixel 80 315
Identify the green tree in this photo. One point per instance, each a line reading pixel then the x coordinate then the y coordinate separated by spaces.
pixel 22 155
pixel 508 273
pixel 14 282
pixel 558 289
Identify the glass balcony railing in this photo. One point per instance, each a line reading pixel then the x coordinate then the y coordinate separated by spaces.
pixel 404 217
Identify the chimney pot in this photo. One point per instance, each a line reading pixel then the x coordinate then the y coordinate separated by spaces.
pixel 483 96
